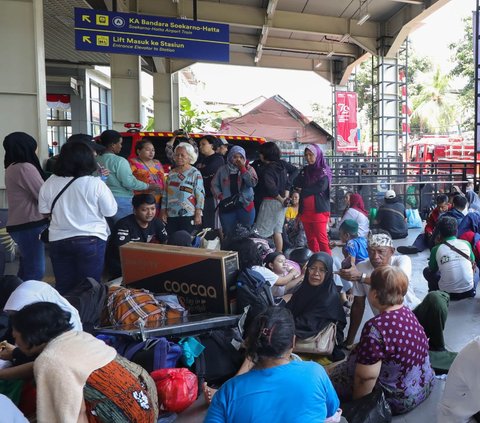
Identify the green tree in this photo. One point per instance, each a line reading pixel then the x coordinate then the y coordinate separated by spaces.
pixel 193 119
pixel 434 104
pixel 323 116
pixel 465 68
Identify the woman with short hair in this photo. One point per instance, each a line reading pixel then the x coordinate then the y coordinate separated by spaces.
pixel 272 190
pixel 183 197
pixel 208 163
pixel 277 387
pixel 78 377
pixel 393 349
pixel 120 180
pixel 78 230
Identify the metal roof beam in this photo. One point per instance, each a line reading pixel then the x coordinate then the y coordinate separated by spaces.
pixel 406 20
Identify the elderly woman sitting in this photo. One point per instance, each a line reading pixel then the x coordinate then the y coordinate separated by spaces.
pixel 393 349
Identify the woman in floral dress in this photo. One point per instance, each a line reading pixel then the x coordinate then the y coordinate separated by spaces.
pixel 147 169
pixel 392 352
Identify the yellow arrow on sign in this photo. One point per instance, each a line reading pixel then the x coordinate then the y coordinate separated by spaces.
pixel 86 18
pixel 86 39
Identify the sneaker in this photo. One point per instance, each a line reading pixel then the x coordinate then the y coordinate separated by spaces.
pixel 408 249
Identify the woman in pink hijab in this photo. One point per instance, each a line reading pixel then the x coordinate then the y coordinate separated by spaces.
pixel 313 182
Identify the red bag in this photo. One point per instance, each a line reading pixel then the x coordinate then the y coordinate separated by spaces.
pixel 177 388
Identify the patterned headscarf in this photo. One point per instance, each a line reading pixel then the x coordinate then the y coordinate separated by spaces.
pixel 320 168
pixel 380 240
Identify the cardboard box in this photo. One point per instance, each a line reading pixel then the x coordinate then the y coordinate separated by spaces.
pixel 204 280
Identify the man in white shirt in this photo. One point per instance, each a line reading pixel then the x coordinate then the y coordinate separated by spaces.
pixel 431 312
pixel 450 265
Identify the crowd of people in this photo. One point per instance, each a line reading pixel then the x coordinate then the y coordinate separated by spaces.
pixel 277 217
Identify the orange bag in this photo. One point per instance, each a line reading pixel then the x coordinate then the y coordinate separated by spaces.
pixel 177 388
pixel 126 306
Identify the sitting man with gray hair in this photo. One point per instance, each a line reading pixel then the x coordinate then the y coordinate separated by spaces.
pixel 431 312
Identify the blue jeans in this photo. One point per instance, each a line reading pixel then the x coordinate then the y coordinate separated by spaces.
pixel 32 253
pixel 125 208
pixel 74 259
pixel 230 220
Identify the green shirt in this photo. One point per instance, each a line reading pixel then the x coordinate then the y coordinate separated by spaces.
pixel 121 181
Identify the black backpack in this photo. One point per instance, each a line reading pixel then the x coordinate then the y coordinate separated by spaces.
pixel 89 298
pixel 253 291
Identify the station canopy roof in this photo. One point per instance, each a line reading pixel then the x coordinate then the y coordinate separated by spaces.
pixel 329 37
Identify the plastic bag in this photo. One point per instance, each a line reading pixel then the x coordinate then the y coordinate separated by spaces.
pixel 413 219
pixel 372 408
pixel 177 388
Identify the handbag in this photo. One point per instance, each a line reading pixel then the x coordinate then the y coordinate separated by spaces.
pixel 209 239
pixel 322 343
pixel 44 235
pixel 229 204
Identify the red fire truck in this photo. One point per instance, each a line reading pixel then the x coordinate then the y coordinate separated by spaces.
pixel 160 139
pixel 449 153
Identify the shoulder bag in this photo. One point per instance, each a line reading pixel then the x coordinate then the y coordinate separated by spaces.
pixel 472 262
pixel 44 234
pixel 322 343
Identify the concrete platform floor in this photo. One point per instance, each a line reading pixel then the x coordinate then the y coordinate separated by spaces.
pixel 463 324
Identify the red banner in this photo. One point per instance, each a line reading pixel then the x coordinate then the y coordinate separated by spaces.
pixel 347 138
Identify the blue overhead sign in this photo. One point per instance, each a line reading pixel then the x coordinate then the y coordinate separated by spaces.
pixel 146 35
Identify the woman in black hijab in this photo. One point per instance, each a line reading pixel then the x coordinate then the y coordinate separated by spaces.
pixel 23 179
pixel 317 303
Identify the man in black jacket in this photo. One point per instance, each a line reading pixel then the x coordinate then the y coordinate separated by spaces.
pixel 141 226
pixel 391 216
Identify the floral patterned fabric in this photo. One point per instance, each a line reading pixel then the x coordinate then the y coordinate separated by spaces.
pixel 399 341
pixel 120 392
pixel 150 175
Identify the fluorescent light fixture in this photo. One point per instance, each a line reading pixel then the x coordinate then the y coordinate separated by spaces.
pixel 345 38
pixel 363 19
pixel 330 54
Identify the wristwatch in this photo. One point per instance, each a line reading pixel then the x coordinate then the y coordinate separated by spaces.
pixel 363 277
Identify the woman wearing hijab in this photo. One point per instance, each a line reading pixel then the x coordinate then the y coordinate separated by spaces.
pixel 313 182
pixel 356 211
pixel 23 179
pixel 316 303
pixel 473 201
pixel 235 181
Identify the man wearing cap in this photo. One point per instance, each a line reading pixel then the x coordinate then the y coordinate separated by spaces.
pixel 391 216
pixel 222 147
pixel 431 312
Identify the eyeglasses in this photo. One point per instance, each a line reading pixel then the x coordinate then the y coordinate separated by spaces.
pixel 317 270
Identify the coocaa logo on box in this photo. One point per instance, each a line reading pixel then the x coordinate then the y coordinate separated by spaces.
pixel 192 289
